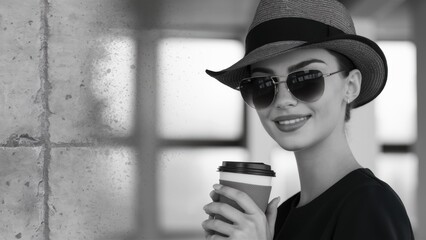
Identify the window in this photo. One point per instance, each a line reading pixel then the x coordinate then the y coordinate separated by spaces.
pixel 286 183
pixel 189 100
pixel 396 106
pixel 186 176
pixel 201 124
pixel 396 124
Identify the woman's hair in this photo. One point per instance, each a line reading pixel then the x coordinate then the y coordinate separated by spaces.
pixel 344 64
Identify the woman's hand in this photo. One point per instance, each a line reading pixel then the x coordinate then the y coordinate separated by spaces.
pixel 250 224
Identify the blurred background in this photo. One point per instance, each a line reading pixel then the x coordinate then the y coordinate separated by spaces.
pixel 110 129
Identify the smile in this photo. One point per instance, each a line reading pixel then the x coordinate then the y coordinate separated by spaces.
pixel 290 124
pixel 293 121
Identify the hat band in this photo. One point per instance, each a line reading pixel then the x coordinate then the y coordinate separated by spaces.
pixel 289 29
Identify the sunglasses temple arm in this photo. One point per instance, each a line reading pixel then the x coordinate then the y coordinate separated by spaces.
pixel 329 74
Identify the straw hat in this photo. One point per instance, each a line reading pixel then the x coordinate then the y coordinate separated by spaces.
pixel 280 26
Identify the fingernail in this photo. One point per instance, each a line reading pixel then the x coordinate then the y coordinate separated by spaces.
pixel 217 186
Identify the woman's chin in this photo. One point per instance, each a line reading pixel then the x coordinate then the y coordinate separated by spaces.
pixel 293 147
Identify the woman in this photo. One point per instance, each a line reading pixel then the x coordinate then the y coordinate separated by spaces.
pixel 304 69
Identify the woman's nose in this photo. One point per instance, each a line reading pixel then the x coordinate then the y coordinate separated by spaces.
pixel 283 98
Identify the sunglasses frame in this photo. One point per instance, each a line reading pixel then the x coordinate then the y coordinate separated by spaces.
pixel 276 81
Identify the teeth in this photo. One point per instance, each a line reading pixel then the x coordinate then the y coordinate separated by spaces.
pixel 293 121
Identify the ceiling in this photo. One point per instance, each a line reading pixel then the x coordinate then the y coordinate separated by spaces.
pixel 391 18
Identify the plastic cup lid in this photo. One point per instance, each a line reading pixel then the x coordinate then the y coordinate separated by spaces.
pixel 255 168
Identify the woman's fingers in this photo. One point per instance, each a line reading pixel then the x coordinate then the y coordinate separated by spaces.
pixel 214 196
pixel 249 223
pixel 240 197
pixel 271 213
pixel 217 225
pixel 208 231
pixel 215 237
pixel 224 210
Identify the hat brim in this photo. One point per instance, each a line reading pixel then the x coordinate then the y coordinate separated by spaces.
pixel 365 54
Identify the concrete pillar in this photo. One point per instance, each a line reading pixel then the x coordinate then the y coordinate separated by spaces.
pixel 418 8
pixel 146 119
pixel 147 217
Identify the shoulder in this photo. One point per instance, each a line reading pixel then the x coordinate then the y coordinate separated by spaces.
pixel 372 210
pixel 370 192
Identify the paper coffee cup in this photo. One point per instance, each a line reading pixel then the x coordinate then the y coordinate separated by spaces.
pixel 253 178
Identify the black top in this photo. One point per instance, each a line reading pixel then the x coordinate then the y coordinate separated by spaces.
pixel 359 206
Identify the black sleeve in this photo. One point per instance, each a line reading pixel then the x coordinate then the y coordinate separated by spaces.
pixel 373 212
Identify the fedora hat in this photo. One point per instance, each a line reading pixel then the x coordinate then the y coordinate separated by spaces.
pixel 280 26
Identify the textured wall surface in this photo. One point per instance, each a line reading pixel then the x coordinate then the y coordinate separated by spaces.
pixel 21 193
pixel 67 155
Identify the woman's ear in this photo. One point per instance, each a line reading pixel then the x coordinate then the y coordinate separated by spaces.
pixel 353 85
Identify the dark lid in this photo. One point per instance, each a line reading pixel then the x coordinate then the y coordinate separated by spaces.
pixel 255 168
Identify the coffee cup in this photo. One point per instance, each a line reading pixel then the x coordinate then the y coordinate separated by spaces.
pixel 253 178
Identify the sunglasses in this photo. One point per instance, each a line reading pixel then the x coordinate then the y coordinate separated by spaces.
pixel 306 86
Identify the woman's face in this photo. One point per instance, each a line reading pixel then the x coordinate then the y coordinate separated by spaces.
pixel 297 125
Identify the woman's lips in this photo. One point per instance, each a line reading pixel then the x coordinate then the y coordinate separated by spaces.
pixel 291 123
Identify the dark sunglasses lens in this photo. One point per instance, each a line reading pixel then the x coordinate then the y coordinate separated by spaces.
pixel 307 86
pixel 258 92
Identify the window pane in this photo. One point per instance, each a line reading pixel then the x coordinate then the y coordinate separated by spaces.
pixel 400 172
pixel 286 183
pixel 185 179
pixel 396 106
pixel 192 104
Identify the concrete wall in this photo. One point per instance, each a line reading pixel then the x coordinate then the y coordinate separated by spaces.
pixel 68 154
